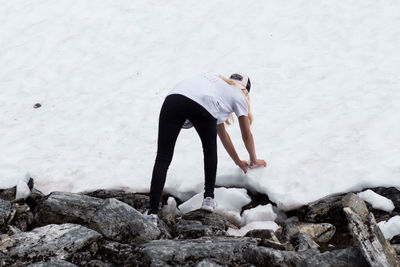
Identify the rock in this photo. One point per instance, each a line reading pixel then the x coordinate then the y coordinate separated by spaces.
pixel 5 242
pixel 396 248
pixel 395 239
pixel 226 251
pixel 209 218
pixel 118 254
pixel 34 198
pixel 23 219
pixel 137 201
pixel 112 218
pixel 7 214
pixel 262 256
pixel 375 249
pixel 12 230
pixel 269 239
pixel 302 242
pixel 51 242
pixel 97 263
pixel 207 263
pixel 8 193
pixel 326 210
pixel 195 229
pixel 119 221
pixel 59 263
pixel 319 232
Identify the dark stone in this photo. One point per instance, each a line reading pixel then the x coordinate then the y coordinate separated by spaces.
pixel 226 251
pixel 139 202
pixel 262 256
pixel 395 239
pixel 7 214
pixel 8 193
pixel 37 105
pixel 59 263
pixel 34 198
pixel 51 242
pixel 302 242
pixel 195 229
pixel 112 218
pixel 23 219
pixel 117 254
pixel 373 245
pixel 326 210
pixel 208 218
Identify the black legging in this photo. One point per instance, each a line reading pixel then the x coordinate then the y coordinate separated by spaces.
pixel 174 112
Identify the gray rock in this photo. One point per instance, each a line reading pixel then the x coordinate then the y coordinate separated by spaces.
pixel 8 193
pixel 5 242
pixel 375 249
pixel 51 242
pixel 59 263
pixel 195 229
pixel 319 232
pixel 207 263
pixel 209 218
pixel 119 221
pixel 114 219
pixel 325 210
pixel 23 219
pixel 302 242
pixel 226 251
pixel 269 239
pixel 396 247
pixel 262 256
pixel 138 201
pixel 7 214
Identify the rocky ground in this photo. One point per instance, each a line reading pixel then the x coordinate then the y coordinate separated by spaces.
pixel 105 228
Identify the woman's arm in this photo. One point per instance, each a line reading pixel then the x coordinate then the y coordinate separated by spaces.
pixel 249 142
pixel 226 141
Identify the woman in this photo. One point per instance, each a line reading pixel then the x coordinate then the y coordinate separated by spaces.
pixel 205 102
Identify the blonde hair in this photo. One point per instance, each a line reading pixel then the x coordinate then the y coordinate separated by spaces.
pixel 246 96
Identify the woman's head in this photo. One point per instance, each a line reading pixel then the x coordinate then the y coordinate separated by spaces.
pixel 242 80
pixel 244 91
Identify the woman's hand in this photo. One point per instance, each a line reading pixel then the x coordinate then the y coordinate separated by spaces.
pixel 243 165
pixel 257 163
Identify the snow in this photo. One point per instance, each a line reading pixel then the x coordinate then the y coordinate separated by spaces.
pixel 325 92
pixel 229 202
pixel 377 201
pixel 252 226
pixel 259 213
pixel 390 228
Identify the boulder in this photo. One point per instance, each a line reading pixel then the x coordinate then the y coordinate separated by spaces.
pixel 262 256
pixel 325 210
pixel 209 218
pixel 375 249
pixel 7 214
pixel 226 251
pixel 59 263
pixel 112 218
pixel 51 242
pixel 319 232
pixel 302 242
pixel 194 229
pixel 137 201
pixel 23 219
pixel 8 193
pixel 269 239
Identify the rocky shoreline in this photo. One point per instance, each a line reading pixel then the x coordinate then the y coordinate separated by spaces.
pixel 105 228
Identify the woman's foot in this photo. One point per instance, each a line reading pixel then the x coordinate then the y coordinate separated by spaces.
pixel 208 204
pixel 152 218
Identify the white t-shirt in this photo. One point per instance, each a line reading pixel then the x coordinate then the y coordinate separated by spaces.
pixel 218 97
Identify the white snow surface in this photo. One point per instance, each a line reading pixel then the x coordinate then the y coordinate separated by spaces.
pixel 377 201
pixel 390 228
pixel 252 226
pixel 325 92
pixel 259 213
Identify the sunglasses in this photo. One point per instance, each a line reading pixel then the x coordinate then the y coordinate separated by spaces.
pixel 239 77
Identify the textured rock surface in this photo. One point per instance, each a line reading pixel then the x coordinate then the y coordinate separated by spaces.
pixel 319 232
pixel 207 218
pixel 7 213
pixel 137 201
pixel 114 219
pixel 221 250
pixel 326 210
pixel 195 229
pixel 53 264
pixel 302 242
pixel 51 242
pixel 376 250
pixel 261 256
pixel 8 193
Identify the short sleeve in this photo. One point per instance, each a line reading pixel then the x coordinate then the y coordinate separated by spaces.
pixel 240 107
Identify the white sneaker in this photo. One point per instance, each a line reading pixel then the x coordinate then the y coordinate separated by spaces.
pixel 208 204
pixel 152 218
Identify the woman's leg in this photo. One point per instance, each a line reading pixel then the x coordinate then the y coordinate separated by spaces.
pixel 170 123
pixel 206 126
